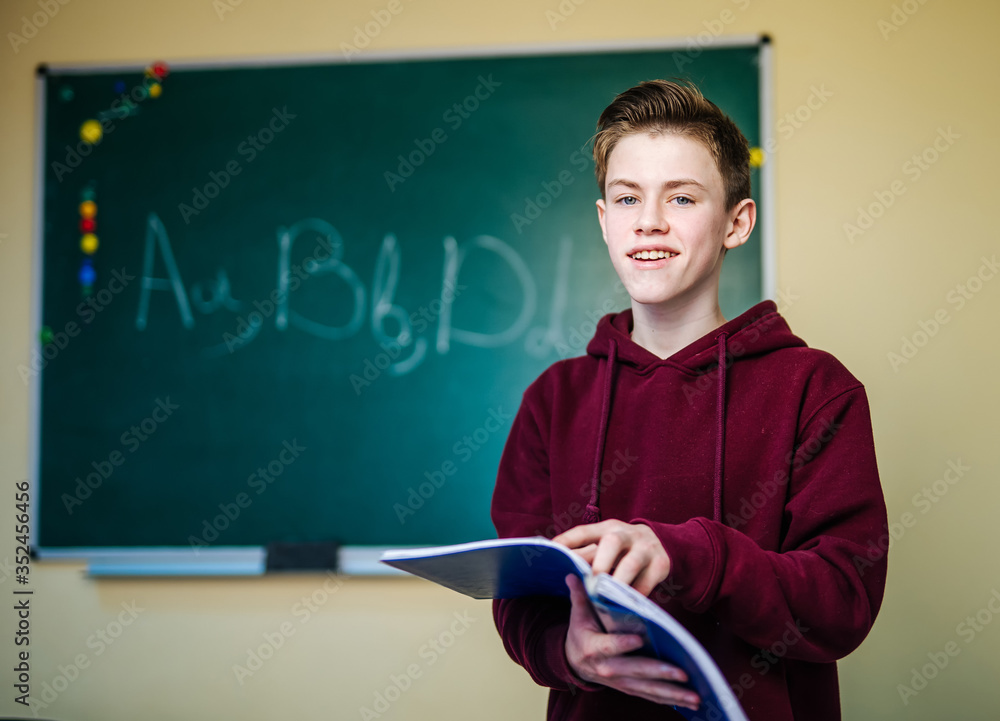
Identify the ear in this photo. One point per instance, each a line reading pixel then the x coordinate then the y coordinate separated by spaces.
pixel 602 218
pixel 742 220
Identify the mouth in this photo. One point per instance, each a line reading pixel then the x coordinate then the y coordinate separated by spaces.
pixel 651 254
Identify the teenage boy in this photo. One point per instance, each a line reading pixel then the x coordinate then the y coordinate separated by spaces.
pixel 722 468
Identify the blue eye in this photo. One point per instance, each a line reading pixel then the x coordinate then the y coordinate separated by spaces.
pixel 687 201
pixel 628 200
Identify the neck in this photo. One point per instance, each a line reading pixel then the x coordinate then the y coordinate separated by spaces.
pixel 664 331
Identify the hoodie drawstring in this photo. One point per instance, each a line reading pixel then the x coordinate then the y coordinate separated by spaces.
pixel 592 514
pixel 720 437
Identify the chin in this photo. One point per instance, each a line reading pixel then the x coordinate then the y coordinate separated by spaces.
pixel 654 301
pixel 651 299
pixel 649 296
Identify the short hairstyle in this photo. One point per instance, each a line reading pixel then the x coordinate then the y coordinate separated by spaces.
pixel 662 106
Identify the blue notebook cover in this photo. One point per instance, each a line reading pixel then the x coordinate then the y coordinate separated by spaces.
pixel 514 567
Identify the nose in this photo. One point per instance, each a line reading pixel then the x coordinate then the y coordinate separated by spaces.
pixel 651 219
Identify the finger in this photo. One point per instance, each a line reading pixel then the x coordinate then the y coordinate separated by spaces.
pixel 576 590
pixel 581 613
pixel 660 692
pixel 585 534
pixel 630 566
pixel 583 618
pixel 642 568
pixel 610 547
pixel 587 552
pixel 575 586
pixel 611 647
pixel 651 576
pixel 649 678
pixel 647 668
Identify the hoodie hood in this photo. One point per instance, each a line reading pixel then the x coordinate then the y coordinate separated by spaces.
pixel 758 331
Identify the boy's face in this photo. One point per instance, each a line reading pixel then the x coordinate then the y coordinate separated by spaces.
pixel 664 194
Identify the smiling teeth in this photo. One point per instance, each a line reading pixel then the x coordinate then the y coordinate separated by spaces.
pixel 652 254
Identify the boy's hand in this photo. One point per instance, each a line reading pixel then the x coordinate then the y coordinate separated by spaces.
pixel 597 657
pixel 632 551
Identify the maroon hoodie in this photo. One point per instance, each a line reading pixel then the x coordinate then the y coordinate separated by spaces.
pixel 760 481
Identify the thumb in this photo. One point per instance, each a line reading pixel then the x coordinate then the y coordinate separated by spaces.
pixel 581 613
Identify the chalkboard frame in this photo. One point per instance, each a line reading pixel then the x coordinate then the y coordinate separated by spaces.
pixel 354 560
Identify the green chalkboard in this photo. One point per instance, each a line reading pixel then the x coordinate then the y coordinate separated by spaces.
pixel 320 289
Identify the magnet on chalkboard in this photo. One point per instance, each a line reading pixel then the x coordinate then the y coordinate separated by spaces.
pixel 159 69
pixel 87 273
pixel 88 243
pixel 312 556
pixel 91 132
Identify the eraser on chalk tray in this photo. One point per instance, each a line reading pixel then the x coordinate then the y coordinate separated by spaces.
pixel 309 556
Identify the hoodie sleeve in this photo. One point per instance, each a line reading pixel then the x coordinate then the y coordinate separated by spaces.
pixel 824 582
pixel 533 628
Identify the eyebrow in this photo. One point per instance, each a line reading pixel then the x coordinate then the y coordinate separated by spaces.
pixel 669 185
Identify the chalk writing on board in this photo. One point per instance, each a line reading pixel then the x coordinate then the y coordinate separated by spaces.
pixel 327 258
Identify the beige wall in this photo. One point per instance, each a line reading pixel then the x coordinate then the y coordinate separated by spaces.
pixel 890 96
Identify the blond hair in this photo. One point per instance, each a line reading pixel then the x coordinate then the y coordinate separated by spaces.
pixel 662 106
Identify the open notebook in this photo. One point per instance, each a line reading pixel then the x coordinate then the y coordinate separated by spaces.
pixel 514 567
